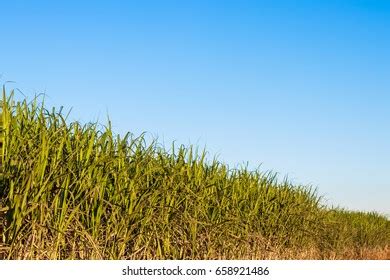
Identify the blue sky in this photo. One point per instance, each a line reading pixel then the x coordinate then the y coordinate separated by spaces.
pixel 301 87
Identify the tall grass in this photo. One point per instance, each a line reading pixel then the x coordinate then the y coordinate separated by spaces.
pixel 78 191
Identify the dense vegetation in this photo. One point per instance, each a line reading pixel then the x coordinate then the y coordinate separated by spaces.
pixel 73 191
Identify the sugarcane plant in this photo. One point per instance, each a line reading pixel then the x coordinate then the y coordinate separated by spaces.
pixel 3 206
pixel 2 237
pixel 1 141
pixel 79 191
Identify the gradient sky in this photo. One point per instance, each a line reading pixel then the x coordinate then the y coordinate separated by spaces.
pixel 301 87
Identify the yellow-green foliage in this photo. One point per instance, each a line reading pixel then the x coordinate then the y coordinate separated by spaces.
pixel 81 192
pixel 1 137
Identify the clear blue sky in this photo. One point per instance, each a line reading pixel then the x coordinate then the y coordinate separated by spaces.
pixel 302 87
